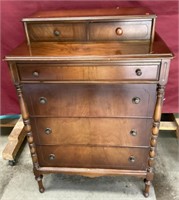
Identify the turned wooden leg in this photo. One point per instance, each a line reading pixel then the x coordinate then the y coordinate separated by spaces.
pixel 39 181
pixel 154 136
pixel 30 139
pixel 147 188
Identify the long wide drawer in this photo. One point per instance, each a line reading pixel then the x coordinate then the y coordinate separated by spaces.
pixel 92 157
pixel 57 31
pixel 91 131
pixel 122 30
pixel 57 72
pixel 90 100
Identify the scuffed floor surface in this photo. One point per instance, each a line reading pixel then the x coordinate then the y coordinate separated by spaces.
pixel 18 183
pixel 166 179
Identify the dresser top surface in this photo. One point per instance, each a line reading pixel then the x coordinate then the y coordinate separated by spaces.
pixel 96 13
pixel 90 50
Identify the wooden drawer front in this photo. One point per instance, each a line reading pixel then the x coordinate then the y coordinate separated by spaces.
pixel 123 30
pixel 92 157
pixel 80 100
pixel 56 72
pixel 92 131
pixel 56 31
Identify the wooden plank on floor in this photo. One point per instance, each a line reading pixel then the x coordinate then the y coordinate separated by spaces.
pixel 168 125
pixel 170 121
pixel 177 124
pixel 15 140
pixel 8 122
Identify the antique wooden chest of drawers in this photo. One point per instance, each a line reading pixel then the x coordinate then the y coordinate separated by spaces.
pixel 91 86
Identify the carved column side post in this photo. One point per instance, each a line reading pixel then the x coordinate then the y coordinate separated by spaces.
pixel 154 136
pixel 164 71
pixel 26 120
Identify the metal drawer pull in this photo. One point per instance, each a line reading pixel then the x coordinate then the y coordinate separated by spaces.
pixel 136 100
pixel 48 131
pixel 43 100
pixel 119 31
pixel 56 33
pixel 35 74
pixel 138 72
pixel 133 132
pixel 51 156
pixel 132 159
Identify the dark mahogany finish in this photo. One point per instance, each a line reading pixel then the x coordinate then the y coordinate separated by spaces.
pixel 123 30
pixel 57 32
pixel 96 131
pixel 94 100
pixel 39 72
pixel 91 85
pixel 93 157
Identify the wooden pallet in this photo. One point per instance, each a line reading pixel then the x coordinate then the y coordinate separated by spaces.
pixel 8 123
pixel 15 138
pixel 170 122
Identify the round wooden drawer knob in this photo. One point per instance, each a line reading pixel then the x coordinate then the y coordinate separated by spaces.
pixel 43 100
pixel 35 74
pixel 119 31
pixel 51 156
pixel 132 159
pixel 136 100
pixel 48 131
pixel 56 33
pixel 133 132
pixel 138 72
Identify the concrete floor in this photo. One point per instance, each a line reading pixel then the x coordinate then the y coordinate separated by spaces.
pixel 18 182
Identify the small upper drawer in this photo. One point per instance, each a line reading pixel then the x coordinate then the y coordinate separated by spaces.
pixel 122 30
pixel 57 72
pixel 56 31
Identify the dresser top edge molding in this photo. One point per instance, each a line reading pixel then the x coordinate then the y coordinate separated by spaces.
pixel 84 14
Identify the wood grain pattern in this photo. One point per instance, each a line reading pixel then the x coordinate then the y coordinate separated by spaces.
pixel 131 30
pixel 91 51
pixel 67 32
pixel 90 100
pixel 93 157
pixel 91 131
pixel 59 72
